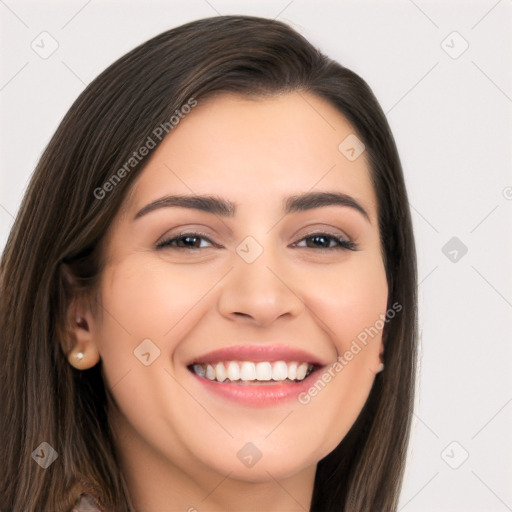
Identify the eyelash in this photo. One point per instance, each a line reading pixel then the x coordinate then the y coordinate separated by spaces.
pixel 343 245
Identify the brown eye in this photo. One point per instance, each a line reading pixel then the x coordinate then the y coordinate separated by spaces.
pixel 325 240
pixel 185 241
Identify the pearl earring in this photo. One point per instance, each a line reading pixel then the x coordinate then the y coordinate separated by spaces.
pixel 381 367
pixel 79 356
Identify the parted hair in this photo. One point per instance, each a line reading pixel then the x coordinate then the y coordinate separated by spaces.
pixel 54 253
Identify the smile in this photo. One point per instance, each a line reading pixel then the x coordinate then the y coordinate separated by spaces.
pixel 248 372
pixel 256 375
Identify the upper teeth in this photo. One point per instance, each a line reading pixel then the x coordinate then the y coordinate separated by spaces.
pixel 249 371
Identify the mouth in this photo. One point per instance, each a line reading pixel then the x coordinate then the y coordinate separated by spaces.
pixel 257 375
pixel 246 373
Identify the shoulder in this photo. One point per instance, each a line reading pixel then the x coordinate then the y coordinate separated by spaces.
pixel 86 503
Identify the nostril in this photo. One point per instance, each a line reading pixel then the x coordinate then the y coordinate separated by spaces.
pixel 241 314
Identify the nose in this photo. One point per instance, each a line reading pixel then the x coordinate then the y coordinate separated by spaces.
pixel 260 292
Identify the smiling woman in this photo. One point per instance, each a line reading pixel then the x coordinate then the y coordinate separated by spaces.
pixel 157 342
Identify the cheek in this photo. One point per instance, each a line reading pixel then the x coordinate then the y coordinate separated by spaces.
pixel 149 299
pixel 351 304
pixel 146 301
pixel 350 299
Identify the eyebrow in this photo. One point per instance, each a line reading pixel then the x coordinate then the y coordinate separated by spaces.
pixel 224 208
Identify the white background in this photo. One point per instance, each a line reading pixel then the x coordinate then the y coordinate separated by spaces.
pixel 451 119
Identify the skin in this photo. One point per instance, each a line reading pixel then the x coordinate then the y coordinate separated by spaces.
pixel 178 443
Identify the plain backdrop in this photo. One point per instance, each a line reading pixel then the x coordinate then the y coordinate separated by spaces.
pixel 441 71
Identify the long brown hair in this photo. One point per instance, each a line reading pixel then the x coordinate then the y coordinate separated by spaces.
pixel 54 252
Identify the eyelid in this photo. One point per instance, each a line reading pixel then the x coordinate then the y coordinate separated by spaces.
pixel 188 229
pixel 343 241
pixel 190 232
pixel 326 231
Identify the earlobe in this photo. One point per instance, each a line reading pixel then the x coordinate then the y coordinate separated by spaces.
pixel 83 359
pixel 84 354
pixel 380 367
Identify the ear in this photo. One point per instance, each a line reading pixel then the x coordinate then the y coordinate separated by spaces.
pixel 378 366
pixel 84 353
pixel 381 357
pixel 80 329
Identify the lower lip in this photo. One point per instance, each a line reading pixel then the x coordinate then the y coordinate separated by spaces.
pixel 255 395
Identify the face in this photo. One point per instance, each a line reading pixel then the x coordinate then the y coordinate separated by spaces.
pixel 260 283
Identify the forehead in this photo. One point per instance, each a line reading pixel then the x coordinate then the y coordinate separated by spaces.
pixel 250 150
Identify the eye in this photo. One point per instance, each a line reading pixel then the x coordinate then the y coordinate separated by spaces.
pixel 324 241
pixel 185 241
pixel 320 241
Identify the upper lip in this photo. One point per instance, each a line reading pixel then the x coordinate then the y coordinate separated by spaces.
pixel 259 353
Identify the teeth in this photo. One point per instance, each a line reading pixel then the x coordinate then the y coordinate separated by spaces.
pixel 199 369
pixel 292 371
pixel 220 372
pixel 302 370
pixel 248 371
pixel 279 371
pixel 210 372
pixel 264 371
pixel 233 371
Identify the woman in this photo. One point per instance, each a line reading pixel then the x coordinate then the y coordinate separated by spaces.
pixel 208 298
